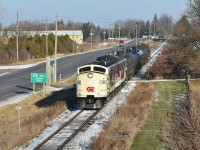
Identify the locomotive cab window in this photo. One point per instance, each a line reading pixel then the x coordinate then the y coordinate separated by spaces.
pixel 99 69
pixel 85 69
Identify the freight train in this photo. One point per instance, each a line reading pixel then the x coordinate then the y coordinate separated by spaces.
pixel 98 81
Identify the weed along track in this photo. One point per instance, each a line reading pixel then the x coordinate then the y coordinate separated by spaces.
pixel 68 131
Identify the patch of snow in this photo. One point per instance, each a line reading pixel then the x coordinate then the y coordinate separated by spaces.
pixel 14 99
pixel 18 66
pixel 4 73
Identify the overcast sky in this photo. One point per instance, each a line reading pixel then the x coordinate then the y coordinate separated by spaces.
pixel 101 12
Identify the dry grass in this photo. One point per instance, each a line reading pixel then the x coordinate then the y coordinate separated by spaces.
pixel 153 45
pixel 87 47
pixel 128 120
pixel 33 120
pixel 68 82
pixel 164 66
pixel 195 94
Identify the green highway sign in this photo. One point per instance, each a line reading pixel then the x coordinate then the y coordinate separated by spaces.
pixel 38 77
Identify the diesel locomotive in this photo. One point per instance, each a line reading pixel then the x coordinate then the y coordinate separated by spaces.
pixel 98 81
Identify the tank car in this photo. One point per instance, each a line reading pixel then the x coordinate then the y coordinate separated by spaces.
pixel 98 80
pixel 144 53
pixel 132 61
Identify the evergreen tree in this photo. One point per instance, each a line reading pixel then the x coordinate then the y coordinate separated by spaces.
pixel 87 27
pixel 147 27
pixel 183 27
pixel 154 25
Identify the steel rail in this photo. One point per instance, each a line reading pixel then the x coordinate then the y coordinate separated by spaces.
pixel 56 132
pixel 78 130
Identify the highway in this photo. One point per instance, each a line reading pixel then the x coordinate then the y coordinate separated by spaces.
pixel 19 82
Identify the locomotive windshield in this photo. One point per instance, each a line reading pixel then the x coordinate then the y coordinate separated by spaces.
pixel 99 69
pixel 84 69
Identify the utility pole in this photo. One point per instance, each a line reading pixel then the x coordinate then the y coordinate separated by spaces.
pixel 111 27
pixel 104 37
pixel 55 55
pixel 119 31
pixel 109 31
pixel 73 37
pixel 154 29
pixel 112 35
pixel 91 34
pixel 48 70
pixel 149 30
pixel 17 32
pixel 136 36
pixel 46 40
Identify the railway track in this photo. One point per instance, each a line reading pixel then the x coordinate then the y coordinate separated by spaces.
pixel 68 131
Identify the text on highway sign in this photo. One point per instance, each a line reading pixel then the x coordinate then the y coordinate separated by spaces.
pixel 38 77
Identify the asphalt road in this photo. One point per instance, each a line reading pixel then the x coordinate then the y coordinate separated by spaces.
pixel 19 82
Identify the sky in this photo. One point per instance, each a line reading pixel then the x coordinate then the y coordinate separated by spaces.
pixel 100 12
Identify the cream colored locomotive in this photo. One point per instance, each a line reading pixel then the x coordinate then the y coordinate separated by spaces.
pixel 97 81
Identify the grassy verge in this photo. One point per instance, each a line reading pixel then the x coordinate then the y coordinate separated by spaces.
pixel 33 120
pixel 68 82
pixel 127 121
pixel 148 137
pixel 35 114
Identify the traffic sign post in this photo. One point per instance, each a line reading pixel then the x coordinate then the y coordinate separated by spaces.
pixel 38 78
pixel 48 72
pixel 18 109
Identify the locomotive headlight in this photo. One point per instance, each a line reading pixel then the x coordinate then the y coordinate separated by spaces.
pixel 78 82
pixel 103 81
pixel 90 75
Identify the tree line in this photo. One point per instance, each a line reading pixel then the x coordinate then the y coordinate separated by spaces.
pixel 33 47
pixel 185 49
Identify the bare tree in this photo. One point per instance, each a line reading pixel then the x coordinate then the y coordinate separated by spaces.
pixel 128 28
pixel 165 25
pixel 193 11
pixel 181 46
pixel 183 27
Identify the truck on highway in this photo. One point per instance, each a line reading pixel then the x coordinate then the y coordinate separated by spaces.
pixel 121 43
